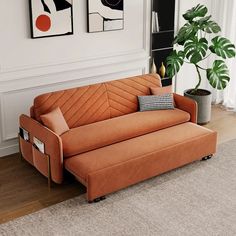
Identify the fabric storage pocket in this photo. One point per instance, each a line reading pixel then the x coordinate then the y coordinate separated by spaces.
pixel 41 161
pixel 26 149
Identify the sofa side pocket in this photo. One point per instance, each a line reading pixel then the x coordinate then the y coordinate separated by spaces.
pixel 40 161
pixel 26 150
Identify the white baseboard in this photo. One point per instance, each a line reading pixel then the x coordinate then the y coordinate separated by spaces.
pixel 8 150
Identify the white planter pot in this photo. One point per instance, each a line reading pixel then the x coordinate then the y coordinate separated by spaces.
pixel 204 104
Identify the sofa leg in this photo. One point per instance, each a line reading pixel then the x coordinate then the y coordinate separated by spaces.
pixel 49 173
pixel 207 157
pixel 21 157
pixel 99 199
pixel 20 152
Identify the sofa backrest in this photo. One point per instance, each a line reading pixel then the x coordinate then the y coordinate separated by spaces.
pixel 97 102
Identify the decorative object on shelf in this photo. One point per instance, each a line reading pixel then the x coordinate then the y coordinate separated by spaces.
pixel 195 48
pixel 105 15
pixel 162 70
pixel 155 22
pixel 153 67
pixel 52 19
pixel 162 41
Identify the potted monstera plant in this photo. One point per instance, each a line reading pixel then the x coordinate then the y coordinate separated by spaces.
pixel 198 39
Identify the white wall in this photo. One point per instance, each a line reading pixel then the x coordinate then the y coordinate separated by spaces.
pixel 29 67
pixel 187 77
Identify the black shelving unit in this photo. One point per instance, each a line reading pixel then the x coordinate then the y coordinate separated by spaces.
pixel 162 41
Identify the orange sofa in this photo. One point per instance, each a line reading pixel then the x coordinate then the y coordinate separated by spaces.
pixel 110 144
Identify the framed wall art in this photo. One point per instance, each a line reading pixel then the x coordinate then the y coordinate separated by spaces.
pixel 105 15
pixel 51 18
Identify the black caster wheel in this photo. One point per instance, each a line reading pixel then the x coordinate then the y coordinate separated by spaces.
pixel 99 199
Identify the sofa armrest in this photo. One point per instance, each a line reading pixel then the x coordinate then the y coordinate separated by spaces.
pixel 52 146
pixel 188 105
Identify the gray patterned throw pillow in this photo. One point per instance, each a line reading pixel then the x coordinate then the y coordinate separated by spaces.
pixel 156 102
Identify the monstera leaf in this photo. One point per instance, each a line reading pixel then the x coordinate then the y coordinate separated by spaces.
pixel 211 27
pixel 208 25
pixel 198 11
pixel 174 62
pixel 202 21
pixel 195 49
pixel 186 32
pixel 218 75
pixel 193 39
pixel 222 47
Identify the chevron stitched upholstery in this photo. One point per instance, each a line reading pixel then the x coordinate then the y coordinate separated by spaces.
pixel 89 104
pixel 122 94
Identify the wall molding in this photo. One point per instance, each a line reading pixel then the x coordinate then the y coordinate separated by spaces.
pixel 146 26
pixel 14 73
pixel 9 149
pixel 126 71
pixel 32 71
pixel 19 85
pixel 71 75
pixel 12 136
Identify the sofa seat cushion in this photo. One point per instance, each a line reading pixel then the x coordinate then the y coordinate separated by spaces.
pixel 140 151
pixel 89 137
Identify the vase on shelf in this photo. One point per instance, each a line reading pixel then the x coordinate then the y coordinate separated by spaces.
pixel 162 70
pixel 153 67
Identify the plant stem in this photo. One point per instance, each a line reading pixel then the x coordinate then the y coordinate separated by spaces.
pixel 207 56
pixel 199 78
pixel 200 67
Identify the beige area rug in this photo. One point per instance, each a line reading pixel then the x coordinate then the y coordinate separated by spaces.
pixel 198 199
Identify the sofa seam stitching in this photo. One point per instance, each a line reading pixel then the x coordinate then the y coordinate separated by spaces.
pixel 108 100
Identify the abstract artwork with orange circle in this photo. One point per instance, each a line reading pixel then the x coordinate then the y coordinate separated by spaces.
pixel 51 18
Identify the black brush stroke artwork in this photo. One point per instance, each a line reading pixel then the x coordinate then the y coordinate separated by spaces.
pixel 45 7
pixel 105 19
pixel 113 4
pixel 59 4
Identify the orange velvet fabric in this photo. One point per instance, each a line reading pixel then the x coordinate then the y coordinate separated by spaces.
pixel 138 150
pixel 161 90
pixel 103 133
pixel 53 147
pixel 122 94
pixel 32 112
pixel 137 159
pixel 181 102
pixel 55 121
pixel 188 105
pixel 89 104
pixel 26 150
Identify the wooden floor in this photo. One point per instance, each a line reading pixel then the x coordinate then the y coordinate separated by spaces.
pixel 224 122
pixel 23 190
